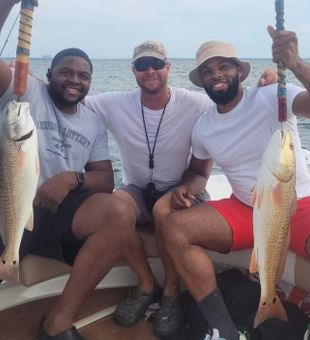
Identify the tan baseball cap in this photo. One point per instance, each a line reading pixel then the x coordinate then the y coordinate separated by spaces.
pixel 213 49
pixel 150 49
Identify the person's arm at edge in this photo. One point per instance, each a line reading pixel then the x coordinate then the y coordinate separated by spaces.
pixel 5 72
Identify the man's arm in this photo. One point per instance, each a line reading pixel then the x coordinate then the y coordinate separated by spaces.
pixel 5 72
pixel 194 182
pixel 98 178
pixel 285 49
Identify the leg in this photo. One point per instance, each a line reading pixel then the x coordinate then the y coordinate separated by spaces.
pixel 135 256
pixel 161 210
pixel 105 239
pixel 186 233
pixel 133 308
pixel 170 317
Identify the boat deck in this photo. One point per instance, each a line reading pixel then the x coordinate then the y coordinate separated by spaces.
pixel 21 322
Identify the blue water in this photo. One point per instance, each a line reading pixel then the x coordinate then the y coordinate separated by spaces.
pixel 116 74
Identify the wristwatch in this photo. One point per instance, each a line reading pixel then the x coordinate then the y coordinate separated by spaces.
pixel 80 179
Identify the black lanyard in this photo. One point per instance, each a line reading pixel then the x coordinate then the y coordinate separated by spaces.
pixel 151 152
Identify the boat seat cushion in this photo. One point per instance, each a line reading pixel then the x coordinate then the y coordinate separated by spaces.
pixel 35 269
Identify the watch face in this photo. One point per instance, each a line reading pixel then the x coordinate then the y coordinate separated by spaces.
pixel 80 179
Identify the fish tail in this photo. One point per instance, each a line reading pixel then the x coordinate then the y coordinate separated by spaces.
pixel 9 272
pixel 270 309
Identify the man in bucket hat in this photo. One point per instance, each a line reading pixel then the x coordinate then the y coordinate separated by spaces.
pixel 234 134
pixel 152 127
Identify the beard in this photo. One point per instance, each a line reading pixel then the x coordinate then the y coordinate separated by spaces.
pixel 224 97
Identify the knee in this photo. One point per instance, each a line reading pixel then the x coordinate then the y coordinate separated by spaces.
pixel 161 209
pixel 103 212
pixel 172 232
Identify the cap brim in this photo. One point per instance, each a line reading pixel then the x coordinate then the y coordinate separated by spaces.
pixel 195 77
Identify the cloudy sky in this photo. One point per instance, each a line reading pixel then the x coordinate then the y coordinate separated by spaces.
pixel 110 29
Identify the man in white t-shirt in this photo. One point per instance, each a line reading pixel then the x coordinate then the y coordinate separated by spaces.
pixel 234 134
pixel 152 127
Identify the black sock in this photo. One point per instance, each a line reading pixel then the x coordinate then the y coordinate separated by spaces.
pixel 217 315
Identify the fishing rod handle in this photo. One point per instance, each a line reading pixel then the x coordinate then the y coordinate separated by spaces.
pixel 23 48
pixel 281 69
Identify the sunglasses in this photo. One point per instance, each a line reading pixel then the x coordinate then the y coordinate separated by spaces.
pixel 142 65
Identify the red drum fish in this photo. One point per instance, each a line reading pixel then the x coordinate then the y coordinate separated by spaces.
pixel 274 201
pixel 19 172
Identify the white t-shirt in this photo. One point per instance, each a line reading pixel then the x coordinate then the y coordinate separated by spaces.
pixel 236 140
pixel 122 113
pixel 67 142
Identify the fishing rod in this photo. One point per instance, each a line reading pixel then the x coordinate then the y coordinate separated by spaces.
pixel 281 69
pixel 8 36
pixel 23 48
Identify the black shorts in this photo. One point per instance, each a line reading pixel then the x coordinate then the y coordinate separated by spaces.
pixel 52 234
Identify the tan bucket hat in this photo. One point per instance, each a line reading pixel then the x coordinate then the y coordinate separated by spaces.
pixel 150 49
pixel 213 49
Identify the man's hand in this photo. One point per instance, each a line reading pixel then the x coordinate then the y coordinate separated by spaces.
pixel 285 48
pixel 53 191
pixel 268 77
pixel 181 198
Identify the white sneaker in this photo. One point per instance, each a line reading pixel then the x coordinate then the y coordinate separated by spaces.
pixel 242 336
pixel 307 334
pixel 216 336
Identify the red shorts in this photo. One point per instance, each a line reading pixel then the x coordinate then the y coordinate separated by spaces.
pixel 239 217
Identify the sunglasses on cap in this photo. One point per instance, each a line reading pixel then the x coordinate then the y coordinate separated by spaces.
pixel 142 65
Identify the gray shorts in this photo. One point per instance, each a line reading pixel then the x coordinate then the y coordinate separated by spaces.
pixel 145 220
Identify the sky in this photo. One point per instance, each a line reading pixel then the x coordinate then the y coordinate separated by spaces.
pixel 111 28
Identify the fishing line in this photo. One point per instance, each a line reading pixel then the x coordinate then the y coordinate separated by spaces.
pixel 8 36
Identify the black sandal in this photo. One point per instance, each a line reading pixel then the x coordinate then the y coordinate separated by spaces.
pixel 133 307
pixel 69 334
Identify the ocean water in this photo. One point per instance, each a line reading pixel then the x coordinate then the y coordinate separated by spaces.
pixel 116 74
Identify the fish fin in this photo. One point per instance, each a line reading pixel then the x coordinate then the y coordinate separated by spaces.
pixel 29 224
pixel 253 266
pixel 260 197
pixel 270 309
pixel 37 166
pixel 294 205
pixel 257 196
pixel 22 158
pixel 254 195
pixel 9 272
pixel 2 235
pixel 275 193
